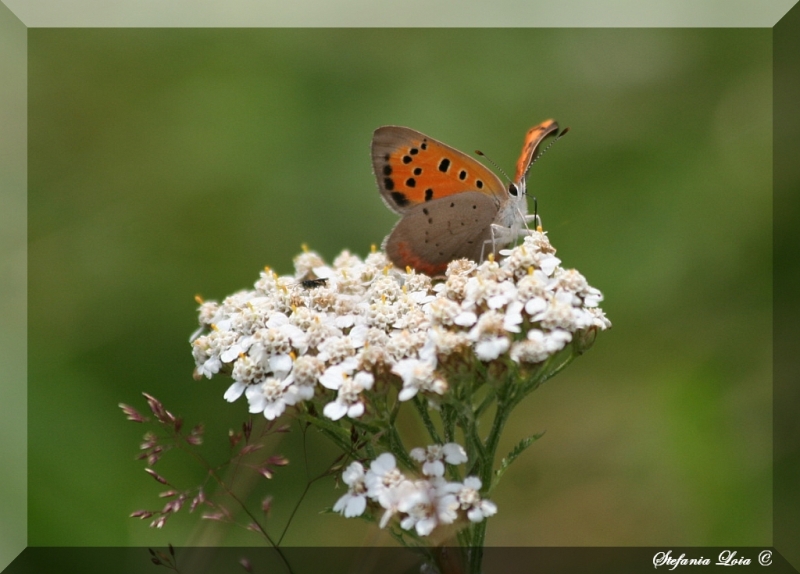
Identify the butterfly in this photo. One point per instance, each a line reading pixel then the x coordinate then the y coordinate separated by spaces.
pixel 451 205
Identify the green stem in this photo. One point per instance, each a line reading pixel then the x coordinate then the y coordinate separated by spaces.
pixel 422 409
pixel 505 403
pixel 487 401
pixel 397 448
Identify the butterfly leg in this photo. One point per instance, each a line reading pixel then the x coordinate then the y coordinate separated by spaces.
pixel 501 236
pixel 493 230
pixel 487 242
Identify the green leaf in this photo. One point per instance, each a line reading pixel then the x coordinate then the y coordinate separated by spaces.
pixel 514 454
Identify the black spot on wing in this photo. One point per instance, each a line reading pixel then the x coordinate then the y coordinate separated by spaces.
pixel 428 194
pixel 444 165
pixel 411 182
pixel 400 198
pixel 388 183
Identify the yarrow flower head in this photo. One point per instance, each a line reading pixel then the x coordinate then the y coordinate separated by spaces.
pixel 336 332
pixel 345 345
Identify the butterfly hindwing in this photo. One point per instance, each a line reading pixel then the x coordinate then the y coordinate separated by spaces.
pixel 432 234
pixel 412 169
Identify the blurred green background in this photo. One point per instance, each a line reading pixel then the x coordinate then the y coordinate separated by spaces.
pixel 166 163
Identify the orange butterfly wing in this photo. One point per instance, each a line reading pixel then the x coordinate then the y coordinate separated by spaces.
pixel 412 168
pixel 533 138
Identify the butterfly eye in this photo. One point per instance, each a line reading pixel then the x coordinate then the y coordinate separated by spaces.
pixel 512 189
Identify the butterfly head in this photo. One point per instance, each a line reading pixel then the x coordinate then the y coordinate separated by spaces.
pixel 516 189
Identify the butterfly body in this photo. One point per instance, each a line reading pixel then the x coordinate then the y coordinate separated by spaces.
pixel 451 205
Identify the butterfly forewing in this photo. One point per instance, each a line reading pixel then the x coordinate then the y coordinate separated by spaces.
pixel 530 148
pixel 413 169
pixel 432 234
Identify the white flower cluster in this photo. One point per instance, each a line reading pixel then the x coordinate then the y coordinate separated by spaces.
pixel 421 504
pixel 338 327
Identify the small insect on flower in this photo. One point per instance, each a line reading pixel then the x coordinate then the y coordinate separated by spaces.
pixel 313 283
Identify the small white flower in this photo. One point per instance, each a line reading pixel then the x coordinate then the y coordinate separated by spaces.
pixel 208 313
pixel 296 335
pixel 444 311
pixel 220 341
pixel 535 305
pixel 469 499
pixel 354 502
pixel 447 342
pixel 465 319
pixel 460 267
pixel 504 293
pixel 490 348
pixel 241 345
pixel 393 497
pixel 454 288
pixel 333 376
pixel 534 284
pixel 305 373
pixel 433 455
pixel 419 509
pixel 206 360
pixel 420 298
pixel 381 314
pixel 384 288
pixel 405 343
pixel 559 313
pixel 556 340
pixel 540 345
pixel 234 391
pixel 382 476
pixel 307 262
pixel 322 328
pixel 477 291
pixel 599 318
pixel 513 317
pixel 548 264
pixel 431 503
pixel 336 349
pixel 348 400
pixel 269 397
pixel 418 376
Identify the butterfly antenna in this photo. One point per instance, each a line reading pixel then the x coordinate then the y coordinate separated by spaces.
pixel 541 153
pixel 491 161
